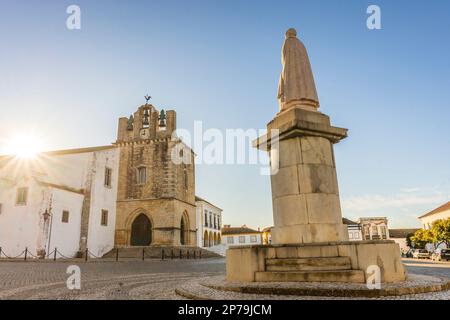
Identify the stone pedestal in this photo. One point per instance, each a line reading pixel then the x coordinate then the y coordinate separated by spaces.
pixel 305 195
pixel 309 241
pixel 342 261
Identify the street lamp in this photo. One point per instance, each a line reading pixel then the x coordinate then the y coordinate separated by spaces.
pixel 46 215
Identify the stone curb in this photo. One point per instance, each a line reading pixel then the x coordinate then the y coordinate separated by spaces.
pixel 195 291
pixel 374 293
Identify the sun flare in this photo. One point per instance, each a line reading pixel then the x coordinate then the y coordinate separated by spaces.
pixel 25 146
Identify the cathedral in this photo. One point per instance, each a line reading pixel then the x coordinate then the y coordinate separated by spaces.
pixel 138 191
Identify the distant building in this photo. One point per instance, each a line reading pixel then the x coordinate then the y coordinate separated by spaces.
pixel 267 235
pixel 374 228
pixel 399 236
pixel 442 212
pixel 354 229
pixel 238 236
pixel 209 223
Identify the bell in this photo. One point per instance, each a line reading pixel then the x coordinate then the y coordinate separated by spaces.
pixel 146 118
pixel 162 118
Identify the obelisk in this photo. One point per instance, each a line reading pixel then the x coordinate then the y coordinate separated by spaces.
pixel 305 195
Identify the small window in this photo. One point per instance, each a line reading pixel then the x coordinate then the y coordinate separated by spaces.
pixel 350 235
pixel 142 175
pixel 230 240
pixel 65 216
pixel 108 175
pixel 22 194
pixel 104 221
pixel 241 239
pixel 253 239
pixel 186 182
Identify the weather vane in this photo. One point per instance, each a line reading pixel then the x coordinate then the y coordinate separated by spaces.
pixel 147 98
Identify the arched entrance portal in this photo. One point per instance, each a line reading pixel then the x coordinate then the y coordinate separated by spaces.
pixel 141 231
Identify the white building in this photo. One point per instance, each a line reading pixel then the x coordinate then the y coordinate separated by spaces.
pixel 209 223
pixel 354 229
pixel 374 228
pixel 399 236
pixel 62 199
pixel 238 236
pixel 442 212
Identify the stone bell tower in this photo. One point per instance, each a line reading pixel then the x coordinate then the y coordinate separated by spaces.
pixel 156 195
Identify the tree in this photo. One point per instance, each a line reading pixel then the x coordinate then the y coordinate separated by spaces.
pixel 441 232
pixel 421 237
pixel 409 240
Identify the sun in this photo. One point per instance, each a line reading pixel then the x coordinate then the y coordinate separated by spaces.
pixel 25 146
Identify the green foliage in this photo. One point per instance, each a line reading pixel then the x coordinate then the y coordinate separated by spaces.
pixel 439 233
pixel 409 240
pixel 421 237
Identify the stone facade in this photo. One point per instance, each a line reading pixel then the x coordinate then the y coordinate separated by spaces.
pixel 167 196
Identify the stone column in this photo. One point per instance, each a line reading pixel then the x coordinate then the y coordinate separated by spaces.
pixel 305 196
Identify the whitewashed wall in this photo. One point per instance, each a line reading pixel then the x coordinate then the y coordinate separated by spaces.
pixel 101 238
pixel 247 238
pixel 19 225
pixel 62 174
pixel 201 228
pixel 427 221
pixel 65 236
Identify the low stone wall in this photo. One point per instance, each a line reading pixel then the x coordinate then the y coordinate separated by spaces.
pixel 244 261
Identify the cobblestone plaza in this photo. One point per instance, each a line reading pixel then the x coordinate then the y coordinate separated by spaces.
pixel 152 279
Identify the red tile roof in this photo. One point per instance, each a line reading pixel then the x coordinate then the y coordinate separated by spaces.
pixel 238 230
pixel 442 208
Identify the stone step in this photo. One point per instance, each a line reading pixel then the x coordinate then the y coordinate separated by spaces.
pixel 312 276
pixel 308 264
pixel 155 252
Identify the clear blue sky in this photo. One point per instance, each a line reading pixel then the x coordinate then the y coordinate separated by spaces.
pixel 219 62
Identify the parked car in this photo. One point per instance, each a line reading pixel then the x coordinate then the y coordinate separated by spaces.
pixel 440 255
pixel 421 254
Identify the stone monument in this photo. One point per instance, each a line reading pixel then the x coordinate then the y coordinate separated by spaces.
pixel 309 240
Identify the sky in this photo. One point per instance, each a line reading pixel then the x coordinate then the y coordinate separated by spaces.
pixel 218 62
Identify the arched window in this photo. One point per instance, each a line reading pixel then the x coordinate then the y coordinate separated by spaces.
pixel 185 175
pixel 141 175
